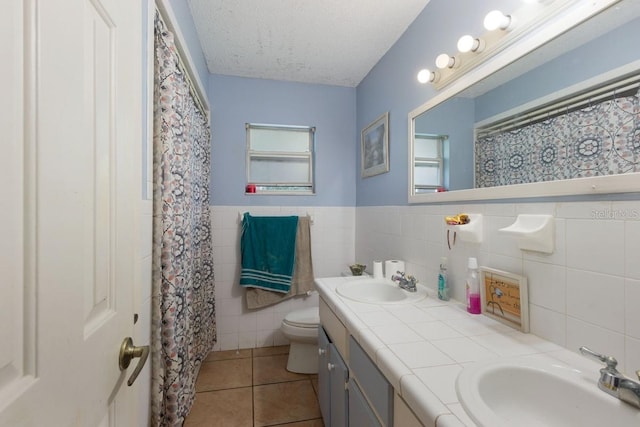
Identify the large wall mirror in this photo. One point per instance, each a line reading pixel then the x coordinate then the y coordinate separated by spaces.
pixel 558 74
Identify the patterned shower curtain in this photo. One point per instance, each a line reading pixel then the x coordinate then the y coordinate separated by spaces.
pixel 183 304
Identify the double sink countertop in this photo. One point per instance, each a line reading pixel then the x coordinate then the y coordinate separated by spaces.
pixel 421 347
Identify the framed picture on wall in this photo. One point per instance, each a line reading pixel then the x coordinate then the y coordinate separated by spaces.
pixel 375 147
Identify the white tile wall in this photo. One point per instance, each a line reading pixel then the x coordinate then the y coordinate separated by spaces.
pixel 587 292
pixel 332 247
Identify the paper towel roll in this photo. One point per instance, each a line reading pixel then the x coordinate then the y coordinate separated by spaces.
pixel 392 266
pixel 377 270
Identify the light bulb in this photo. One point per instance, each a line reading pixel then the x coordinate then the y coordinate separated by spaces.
pixel 469 43
pixel 425 76
pixel 445 61
pixel 496 19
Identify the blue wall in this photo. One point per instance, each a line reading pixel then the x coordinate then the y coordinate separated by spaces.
pixel 331 109
pixel 454 118
pixel 392 86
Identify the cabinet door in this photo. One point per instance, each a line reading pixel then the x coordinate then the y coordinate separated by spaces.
pixel 324 391
pixel 360 413
pixel 339 374
pixel 372 382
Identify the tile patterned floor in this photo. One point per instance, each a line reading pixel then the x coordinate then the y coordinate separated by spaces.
pixel 252 388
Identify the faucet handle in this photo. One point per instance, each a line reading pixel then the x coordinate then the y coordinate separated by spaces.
pixel 611 362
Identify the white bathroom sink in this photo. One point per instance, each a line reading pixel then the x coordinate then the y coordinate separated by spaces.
pixel 531 392
pixel 379 291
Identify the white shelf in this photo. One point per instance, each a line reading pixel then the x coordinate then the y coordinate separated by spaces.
pixel 470 232
pixel 534 232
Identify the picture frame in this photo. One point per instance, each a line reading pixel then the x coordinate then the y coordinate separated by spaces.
pixel 374 150
pixel 504 297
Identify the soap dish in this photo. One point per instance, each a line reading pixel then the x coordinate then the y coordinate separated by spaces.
pixel 534 232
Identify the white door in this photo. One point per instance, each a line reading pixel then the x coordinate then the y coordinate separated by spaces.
pixel 70 116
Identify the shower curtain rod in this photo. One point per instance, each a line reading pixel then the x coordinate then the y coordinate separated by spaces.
pixel 626 86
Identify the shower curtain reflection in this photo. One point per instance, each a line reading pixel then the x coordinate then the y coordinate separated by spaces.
pixel 183 304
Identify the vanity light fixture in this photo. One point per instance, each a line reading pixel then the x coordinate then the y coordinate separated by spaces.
pixel 496 20
pixel 469 43
pixel 445 61
pixel 427 76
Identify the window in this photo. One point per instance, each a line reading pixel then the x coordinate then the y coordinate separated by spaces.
pixel 428 162
pixel 280 158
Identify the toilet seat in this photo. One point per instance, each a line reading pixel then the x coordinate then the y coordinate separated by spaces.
pixel 303 318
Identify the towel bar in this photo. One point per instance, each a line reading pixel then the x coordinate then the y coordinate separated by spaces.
pixel 241 214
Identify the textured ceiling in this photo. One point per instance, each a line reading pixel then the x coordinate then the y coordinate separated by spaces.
pixel 334 42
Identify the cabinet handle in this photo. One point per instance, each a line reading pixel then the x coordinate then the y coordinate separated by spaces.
pixel 330 366
pixel 321 351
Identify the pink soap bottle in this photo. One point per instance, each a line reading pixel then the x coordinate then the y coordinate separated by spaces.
pixel 473 287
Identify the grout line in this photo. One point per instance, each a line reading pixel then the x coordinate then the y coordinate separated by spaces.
pixel 253 392
pixel 307 377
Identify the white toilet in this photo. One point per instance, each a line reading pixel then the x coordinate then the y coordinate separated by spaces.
pixel 301 329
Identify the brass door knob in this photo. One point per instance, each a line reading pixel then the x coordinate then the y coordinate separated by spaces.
pixel 128 352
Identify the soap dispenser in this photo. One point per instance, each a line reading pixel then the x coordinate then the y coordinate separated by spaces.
pixel 473 287
pixel 443 288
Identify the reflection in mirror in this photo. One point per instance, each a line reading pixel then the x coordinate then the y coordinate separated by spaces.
pixel 593 131
pixel 428 162
pixel 597 51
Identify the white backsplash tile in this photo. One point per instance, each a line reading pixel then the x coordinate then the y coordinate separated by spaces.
pixel 632 308
pixel 632 356
pixel 598 339
pixel 595 261
pixel 581 210
pixel 591 297
pixel 547 285
pixel 511 264
pixel 548 324
pixel 632 249
pixel 596 245
pixel 590 237
pixel 500 243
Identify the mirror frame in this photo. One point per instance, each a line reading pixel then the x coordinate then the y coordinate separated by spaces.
pixel 567 19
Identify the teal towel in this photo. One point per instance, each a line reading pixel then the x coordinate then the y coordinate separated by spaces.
pixel 268 250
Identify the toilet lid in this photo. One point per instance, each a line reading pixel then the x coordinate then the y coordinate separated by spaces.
pixel 304 318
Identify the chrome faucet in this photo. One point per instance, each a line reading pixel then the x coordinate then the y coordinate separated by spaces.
pixel 407 283
pixel 613 382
